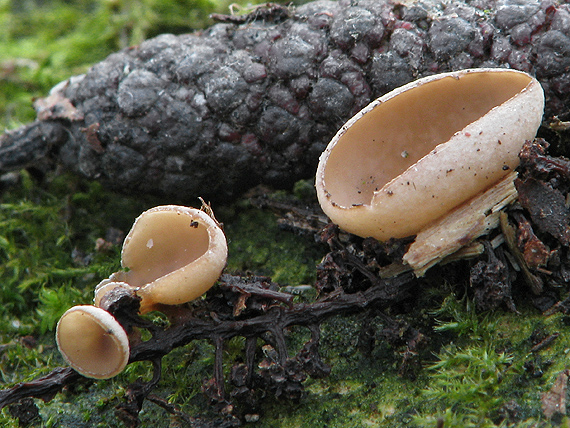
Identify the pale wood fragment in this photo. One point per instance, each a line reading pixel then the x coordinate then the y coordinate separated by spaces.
pixel 461 226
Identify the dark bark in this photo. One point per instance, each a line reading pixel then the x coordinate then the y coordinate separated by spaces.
pixel 45 387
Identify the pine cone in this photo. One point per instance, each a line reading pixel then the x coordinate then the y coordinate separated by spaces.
pixel 214 113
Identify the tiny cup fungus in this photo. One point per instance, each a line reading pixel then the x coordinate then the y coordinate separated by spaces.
pixel 172 255
pixel 92 342
pixel 418 153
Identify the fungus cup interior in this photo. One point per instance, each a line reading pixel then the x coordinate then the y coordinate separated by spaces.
pixel 389 139
pixel 92 342
pixel 173 254
pixel 399 132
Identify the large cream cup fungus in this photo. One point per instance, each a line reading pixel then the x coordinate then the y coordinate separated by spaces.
pixel 92 342
pixel 173 254
pixel 418 152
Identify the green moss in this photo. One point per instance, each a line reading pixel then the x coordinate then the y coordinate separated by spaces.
pixel 466 386
pixel 257 244
pixel 477 365
pixel 48 257
pixel 491 367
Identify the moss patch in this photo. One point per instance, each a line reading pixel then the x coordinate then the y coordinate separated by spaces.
pixel 258 245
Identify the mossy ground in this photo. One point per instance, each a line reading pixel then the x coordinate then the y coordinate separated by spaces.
pixel 479 368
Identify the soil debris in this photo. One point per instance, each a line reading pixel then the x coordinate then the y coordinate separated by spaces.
pixel 554 400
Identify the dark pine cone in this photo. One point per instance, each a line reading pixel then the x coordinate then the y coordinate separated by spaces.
pixel 238 104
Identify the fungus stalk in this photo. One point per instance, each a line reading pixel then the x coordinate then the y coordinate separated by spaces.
pixel 463 225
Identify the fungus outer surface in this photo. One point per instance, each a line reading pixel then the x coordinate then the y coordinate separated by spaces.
pixel 92 342
pixel 419 151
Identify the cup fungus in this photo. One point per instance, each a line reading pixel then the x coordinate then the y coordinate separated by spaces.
pixel 417 153
pixel 172 255
pixel 92 342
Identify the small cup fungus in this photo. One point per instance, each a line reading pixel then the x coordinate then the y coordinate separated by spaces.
pixel 92 342
pixel 420 151
pixel 173 254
